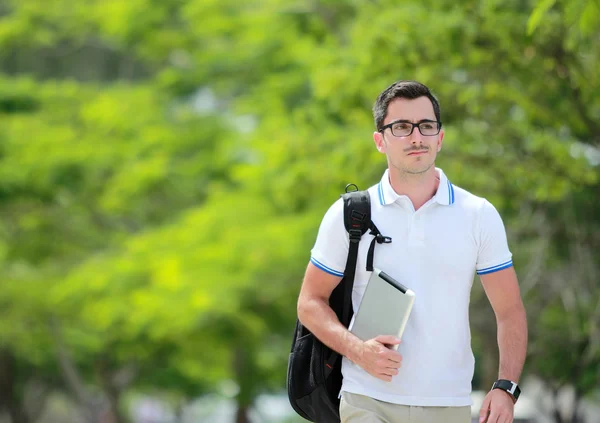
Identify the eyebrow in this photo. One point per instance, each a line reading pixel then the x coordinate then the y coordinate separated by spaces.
pixel 409 121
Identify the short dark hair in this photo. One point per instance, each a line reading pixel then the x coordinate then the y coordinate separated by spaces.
pixel 402 89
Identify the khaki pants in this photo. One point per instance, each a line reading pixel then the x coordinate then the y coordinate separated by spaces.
pixel 360 409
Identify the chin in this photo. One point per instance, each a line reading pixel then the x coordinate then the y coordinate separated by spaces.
pixel 422 168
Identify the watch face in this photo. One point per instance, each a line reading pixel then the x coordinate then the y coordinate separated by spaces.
pixel 517 392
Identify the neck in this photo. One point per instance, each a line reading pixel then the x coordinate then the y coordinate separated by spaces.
pixel 420 187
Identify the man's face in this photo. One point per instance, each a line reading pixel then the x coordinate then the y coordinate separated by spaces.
pixel 414 153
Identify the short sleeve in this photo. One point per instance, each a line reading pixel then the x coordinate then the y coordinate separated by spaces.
pixel 493 252
pixel 331 247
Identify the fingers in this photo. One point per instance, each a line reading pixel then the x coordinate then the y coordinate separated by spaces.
pixel 391 371
pixel 483 418
pixel 384 369
pixel 380 361
pixel 385 378
pixel 394 358
pixel 387 374
pixel 485 410
pixel 498 407
pixel 383 353
pixel 504 416
pixel 387 339
pixel 387 353
pixel 497 415
pixel 494 417
pixel 393 364
pixel 387 370
pixel 386 366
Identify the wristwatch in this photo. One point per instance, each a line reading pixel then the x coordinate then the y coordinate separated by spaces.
pixel 509 386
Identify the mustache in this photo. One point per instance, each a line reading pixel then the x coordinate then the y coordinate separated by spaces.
pixel 416 149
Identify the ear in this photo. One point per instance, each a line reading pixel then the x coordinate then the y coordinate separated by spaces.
pixel 379 142
pixel 440 140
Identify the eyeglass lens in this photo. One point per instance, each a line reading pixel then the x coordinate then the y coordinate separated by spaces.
pixel 404 129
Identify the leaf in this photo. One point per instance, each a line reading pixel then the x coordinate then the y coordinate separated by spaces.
pixel 590 18
pixel 538 14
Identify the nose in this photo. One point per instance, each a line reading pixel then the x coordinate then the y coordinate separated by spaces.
pixel 416 137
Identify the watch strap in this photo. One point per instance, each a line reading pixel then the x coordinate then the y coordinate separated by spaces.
pixel 512 388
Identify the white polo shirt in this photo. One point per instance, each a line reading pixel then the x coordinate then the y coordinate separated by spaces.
pixel 435 251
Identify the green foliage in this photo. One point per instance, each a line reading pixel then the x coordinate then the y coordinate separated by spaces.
pixel 82 172
pixel 165 222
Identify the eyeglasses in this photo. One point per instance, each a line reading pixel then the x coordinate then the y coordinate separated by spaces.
pixel 403 128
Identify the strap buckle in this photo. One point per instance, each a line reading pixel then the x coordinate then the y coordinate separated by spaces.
pixel 355 235
pixel 356 215
pixel 381 239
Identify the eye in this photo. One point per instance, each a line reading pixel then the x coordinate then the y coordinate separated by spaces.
pixel 427 125
pixel 402 126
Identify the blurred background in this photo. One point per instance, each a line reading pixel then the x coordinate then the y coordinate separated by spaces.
pixel 165 164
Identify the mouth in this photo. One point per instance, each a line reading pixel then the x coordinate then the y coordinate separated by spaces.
pixel 417 153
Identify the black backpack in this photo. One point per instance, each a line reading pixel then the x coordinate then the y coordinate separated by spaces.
pixel 314 374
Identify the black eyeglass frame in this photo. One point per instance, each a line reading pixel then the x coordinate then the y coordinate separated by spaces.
pixel 414 125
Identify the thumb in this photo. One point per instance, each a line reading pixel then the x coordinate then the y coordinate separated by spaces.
pixel 387 339
pixel 485 409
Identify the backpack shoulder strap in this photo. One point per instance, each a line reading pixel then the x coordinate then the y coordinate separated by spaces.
pixel 357 212
pixel 357 220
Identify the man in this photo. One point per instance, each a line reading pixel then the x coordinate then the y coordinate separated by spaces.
pixel 441 235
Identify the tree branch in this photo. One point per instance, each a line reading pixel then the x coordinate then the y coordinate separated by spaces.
pixel 36 396
pixel 70 374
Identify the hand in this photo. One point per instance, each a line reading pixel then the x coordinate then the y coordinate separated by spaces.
pixel 498 407
pixel 377 359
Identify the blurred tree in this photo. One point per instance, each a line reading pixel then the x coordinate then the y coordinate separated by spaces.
pixel 194 284
pixel 566 306
pixel 163 224
pixel 83 170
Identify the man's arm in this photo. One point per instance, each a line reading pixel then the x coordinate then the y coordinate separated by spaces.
pixel 315 313
pixel 502 290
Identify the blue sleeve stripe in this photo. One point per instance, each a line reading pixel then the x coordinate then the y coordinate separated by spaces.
pixel 325 268
pixel 493 269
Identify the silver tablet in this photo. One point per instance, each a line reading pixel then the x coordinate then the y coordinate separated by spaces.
pixel 384 309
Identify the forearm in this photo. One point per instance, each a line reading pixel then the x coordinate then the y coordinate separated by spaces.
pixel 512 344
pixel 316 315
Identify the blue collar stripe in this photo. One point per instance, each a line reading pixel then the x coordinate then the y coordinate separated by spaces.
pixel 381 195
pixel 450 192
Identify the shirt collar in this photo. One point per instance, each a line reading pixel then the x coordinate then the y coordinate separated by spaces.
pixel 444 194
